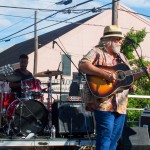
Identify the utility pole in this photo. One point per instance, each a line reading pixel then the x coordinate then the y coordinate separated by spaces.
pixel 35 45
pixel 115 4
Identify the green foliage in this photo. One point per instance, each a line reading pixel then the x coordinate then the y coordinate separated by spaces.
pixel 142 84
pixel 128 48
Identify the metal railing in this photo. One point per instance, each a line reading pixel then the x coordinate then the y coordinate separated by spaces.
pixel 137 109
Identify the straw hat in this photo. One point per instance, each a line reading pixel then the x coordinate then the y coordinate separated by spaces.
pixel 112 30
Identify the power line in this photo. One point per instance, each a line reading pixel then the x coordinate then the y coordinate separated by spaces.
pixel 40 8
pixel 45 19
pixel 43 28
pixel 28 8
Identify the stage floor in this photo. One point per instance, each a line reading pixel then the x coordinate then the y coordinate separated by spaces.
pixel 45 143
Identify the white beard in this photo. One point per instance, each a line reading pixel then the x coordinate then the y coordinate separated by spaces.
pixel 116 48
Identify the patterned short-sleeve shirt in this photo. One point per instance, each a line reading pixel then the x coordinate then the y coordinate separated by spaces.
pixel 114 103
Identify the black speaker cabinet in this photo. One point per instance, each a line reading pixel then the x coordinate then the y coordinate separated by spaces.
pixel 72 118
pixel 145 120
pixel 135 138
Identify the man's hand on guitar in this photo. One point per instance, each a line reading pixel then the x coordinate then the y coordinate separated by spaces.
pixel 132 89
pixel 148 68
pixel 111 77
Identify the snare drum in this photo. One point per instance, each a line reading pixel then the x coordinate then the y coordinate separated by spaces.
pixel 31 86
pixel 27 116
pixel 6 99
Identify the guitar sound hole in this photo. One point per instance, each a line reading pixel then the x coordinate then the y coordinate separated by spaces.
pixel 121 75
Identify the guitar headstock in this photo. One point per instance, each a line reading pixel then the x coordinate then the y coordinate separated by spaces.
pixel 7 70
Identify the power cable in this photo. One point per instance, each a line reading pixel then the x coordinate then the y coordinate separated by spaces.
pixel 28 27
pixel 19 21
pixel 28 8
pixel 65 21
pixel 40 8
pixel 50 16
pixel 43 28
pixel 44 19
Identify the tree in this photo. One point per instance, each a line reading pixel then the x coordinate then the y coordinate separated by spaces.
pixel 143 87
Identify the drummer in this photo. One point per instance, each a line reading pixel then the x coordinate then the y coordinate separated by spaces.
pixel 23 73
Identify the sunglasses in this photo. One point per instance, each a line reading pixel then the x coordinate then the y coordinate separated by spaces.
pixel 116 38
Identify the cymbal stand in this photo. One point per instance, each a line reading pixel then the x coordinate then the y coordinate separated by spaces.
pixel 3 110
pixel 26 92
pixel 61 81
pixel 49 100
pixel 2 96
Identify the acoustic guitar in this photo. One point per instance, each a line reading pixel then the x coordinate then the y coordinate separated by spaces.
pixel 102 88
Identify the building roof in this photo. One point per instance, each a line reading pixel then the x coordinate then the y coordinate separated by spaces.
pixel 11 55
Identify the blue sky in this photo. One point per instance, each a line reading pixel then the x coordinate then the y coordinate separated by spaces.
pixel 14 20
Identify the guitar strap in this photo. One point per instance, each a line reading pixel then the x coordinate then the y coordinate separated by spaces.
pixel 121 60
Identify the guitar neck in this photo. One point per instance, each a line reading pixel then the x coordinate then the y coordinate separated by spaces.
pixel 133 72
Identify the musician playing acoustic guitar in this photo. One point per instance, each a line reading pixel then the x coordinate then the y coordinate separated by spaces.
pixel 107 71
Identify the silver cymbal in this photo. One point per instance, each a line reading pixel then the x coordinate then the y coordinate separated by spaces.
pixel 11 78
pixel 48 73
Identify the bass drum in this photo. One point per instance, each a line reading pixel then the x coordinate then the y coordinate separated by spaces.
pixel 26 117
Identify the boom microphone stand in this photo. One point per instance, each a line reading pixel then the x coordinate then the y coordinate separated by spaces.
pixel 81 74
pixel 54 42
pixel 133 42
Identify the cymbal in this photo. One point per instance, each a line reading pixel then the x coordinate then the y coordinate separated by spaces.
pixel 48 73
pixel 11 78
pixel 51 83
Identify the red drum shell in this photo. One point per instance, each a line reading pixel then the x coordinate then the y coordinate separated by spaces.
pixel 6 99
pixel 33 85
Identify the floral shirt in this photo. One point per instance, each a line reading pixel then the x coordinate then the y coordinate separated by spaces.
pixel 116 102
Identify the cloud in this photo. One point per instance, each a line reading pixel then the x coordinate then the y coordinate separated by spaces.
pixel 137 3
pixel 4 22
pixel 49 4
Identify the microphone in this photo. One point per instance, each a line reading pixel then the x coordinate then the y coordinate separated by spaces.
pixel 128 38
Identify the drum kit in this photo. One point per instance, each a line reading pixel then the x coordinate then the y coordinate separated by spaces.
pixel 29 114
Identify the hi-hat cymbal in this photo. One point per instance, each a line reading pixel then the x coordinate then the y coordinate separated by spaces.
pixel 48 73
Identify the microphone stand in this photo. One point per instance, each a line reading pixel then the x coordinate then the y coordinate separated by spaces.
pixel 61 78
pixel 141 61
pixel 66 55
pixel 68 58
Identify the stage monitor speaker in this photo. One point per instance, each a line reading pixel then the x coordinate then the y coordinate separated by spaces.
pixel 145 120
pixel 135 138
pixel 71 118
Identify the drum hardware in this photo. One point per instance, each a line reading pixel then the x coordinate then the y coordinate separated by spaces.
pixel 49 74
pixel 20 132
pixel 49 84
pixel 1 99
pixel 9 131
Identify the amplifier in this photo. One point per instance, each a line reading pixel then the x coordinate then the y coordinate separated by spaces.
pixel 72 118
pixel 145 119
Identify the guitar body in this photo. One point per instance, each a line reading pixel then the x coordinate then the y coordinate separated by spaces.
pixel 101 88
